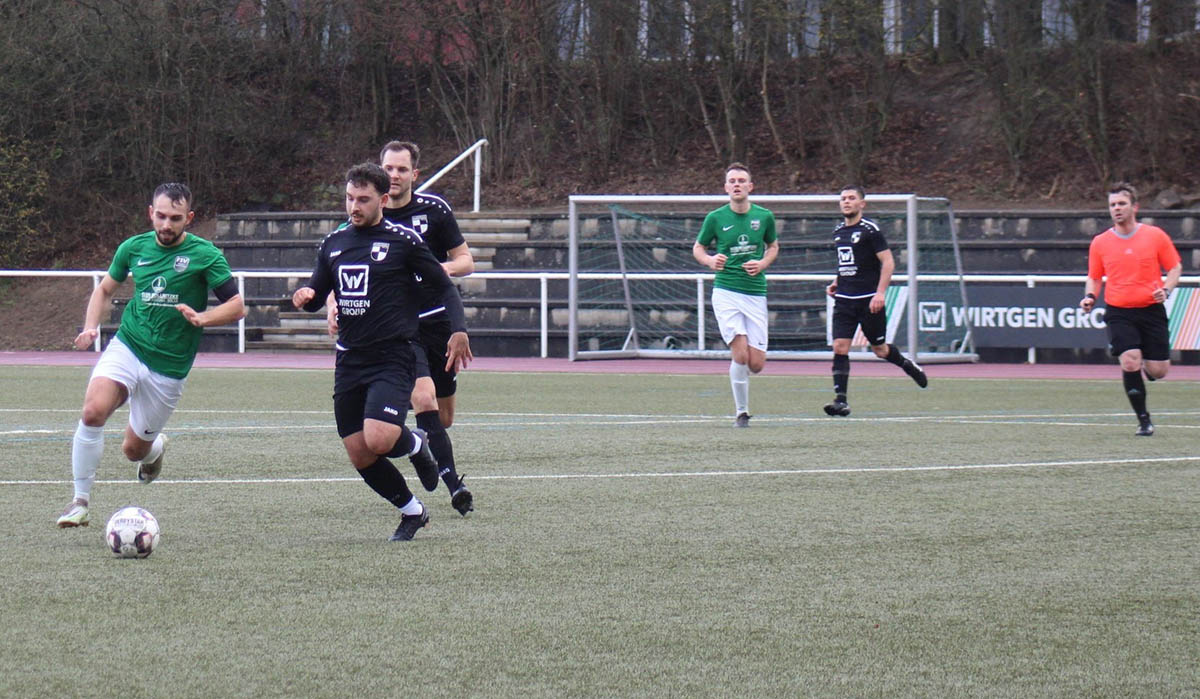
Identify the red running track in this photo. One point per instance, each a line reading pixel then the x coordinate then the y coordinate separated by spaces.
pixel 318 360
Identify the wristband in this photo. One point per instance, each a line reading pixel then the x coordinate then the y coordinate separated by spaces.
pixel 1090 296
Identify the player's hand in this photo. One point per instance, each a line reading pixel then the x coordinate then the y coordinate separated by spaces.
pixel 877 303
pixel 1160 295
pixel 190 314
pixel 331 320
pixel 717 262
pixel 458 351
pixel 831 289
pixel 752 267
pixel 87 338
pixel 302 296
pixel 1087 303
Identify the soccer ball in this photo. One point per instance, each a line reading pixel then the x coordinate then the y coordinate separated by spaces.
pixel 132 532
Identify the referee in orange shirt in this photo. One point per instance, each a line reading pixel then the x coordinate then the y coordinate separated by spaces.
pixel 1131 257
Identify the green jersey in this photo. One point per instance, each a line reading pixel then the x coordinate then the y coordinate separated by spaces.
pixel 740 237
pixel 151 326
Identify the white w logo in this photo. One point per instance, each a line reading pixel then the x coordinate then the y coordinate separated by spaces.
pixel 352 279
pixel 932 316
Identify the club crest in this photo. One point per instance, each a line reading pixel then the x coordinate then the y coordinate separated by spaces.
pixel 755 224
pixel 181 263
pixel 420 224
pixel 379 251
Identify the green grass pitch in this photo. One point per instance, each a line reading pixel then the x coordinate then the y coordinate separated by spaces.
pixel 981 538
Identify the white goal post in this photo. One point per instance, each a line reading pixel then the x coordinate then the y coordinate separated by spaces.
pixel 634 289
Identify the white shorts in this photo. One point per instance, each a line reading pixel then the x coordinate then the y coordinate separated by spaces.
pixel 152 396
pixel 741 314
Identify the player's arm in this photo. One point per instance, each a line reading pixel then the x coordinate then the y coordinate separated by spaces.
pixel 1091 291
pixel 459 261
pixel 331 315
pixel 311 296
pixel 231 308
pixel 1173 274
pixel 887 266
pixel 755 267
pixel 458 349
pixel 98 302
pixel 713 262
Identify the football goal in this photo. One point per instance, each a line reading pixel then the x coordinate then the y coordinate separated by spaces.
pixel 636 291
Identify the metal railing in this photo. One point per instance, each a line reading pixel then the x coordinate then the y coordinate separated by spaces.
pixel 543 278
pixel 472 151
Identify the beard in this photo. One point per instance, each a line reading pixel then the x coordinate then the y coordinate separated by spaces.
pixel 168 238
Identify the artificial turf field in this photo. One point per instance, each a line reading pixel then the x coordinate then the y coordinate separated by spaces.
pixel 1000 537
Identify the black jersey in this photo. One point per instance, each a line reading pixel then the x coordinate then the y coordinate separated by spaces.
pixel 431 217
pixel 373 272
pixel 857 248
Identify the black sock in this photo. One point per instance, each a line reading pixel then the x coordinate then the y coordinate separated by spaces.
pixel 1135 388
pixel 384 479
pixel 841 376
pixel 439 442
pixel 896 358
pixel 404 444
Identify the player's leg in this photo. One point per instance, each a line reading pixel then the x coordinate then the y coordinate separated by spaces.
pixel 444 385
pixel 151 403
pixel 1125 343
pixel 1155 359
pixel 388 391
pixel 874 327
pixel 739 379
pixel 843 325
pixel 379 473
pixel 434 388
pixel 731 321
pixel 106 391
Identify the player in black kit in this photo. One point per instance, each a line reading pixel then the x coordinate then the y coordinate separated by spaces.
pixel 865 268
pixel 433 397
pixel 372 265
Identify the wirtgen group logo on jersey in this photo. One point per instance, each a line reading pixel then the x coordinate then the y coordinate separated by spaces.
pixel 420 224
pixel 352 279
pixel 379 251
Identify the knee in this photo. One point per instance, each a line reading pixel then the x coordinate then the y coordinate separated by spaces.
pixel 93 416
pixel 880 351
pixel 376 444
pixel 756 364
pixel 423 401
pixel 134 450
pixel 447 417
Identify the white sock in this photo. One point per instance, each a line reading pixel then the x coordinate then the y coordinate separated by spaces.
pixel 86 449
pixel 156 448
pixel 739 380
pixel 413 507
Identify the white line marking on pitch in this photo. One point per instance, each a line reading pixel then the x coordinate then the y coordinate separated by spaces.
pixel 670 474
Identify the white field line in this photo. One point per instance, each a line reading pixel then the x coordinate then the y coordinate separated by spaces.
pixel 601 419
pixel 671 474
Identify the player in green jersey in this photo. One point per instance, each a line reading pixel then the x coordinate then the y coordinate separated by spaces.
pixel 744 237
pixel 149 358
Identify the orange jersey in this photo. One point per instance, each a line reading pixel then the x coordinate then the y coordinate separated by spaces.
pixel 1134 264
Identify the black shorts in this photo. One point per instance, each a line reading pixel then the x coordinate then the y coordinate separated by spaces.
pixel 375 384
pixel 1142 328
pixel 433 336
pixel 848 314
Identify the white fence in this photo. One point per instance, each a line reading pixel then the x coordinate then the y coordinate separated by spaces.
pixel 543 278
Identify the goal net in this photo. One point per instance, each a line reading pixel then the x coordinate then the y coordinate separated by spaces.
pixel 636 291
